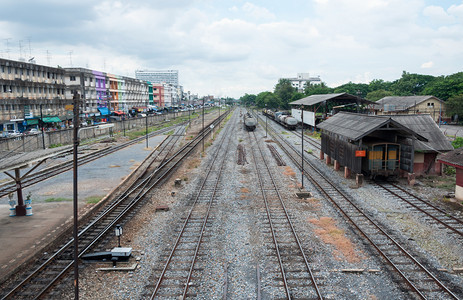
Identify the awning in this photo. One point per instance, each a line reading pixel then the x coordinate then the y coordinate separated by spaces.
pixel 118 112
pixel 104 111
pixel 32 121
pixel 51 119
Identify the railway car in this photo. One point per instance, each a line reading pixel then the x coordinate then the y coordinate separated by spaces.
pixel 250 122
pixel 287 121
pixel 382 159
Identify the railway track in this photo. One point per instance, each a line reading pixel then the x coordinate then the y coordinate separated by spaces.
pixel 52 269
pixel 174 280
pixel 417 279
pixel 47 173
pixel 296 273
pixel 433 213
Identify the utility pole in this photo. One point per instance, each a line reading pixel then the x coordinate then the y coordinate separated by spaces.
pixel 75 190
pixel 203 127
pixel 302 147
pixel 43 130
pixel 146 124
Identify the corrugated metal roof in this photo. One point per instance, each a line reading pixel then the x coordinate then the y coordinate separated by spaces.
pixel 399 103
pixel 454 157
pixel 425 126
pixel 355 126
pixel 314 99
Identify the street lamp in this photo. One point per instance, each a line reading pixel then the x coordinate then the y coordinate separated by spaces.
pixel 118 231
pixel 266 117
pixel 43 130
pixel 302 147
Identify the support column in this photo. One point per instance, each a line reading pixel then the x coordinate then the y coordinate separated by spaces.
pixel 336 165
pixel 322 155
pixel 411 179
pixel 346 172
pixel 359 180
pixel 328 160
pixel 20 208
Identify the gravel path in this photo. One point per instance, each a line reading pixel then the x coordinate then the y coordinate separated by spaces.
pixel 237 240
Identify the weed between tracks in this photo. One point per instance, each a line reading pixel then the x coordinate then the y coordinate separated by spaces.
pixel 330 234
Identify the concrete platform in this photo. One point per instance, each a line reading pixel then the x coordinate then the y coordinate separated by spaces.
pixel 22 237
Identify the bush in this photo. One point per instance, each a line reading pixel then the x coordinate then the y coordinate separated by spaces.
pixel 449 170
pixel 458 142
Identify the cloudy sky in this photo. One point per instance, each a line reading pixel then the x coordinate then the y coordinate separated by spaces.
pixel 228 48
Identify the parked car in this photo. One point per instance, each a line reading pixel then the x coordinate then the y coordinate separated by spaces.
pixel 10 133
pixel 31 131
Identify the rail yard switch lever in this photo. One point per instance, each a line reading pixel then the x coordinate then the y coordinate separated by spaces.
pixel 304 194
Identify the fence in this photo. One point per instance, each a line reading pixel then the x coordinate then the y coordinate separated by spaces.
pixel 28 143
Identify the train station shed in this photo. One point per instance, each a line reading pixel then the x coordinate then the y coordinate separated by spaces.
pixel 425 156
pixel 367 144
pixel 320 107
pixel 455 159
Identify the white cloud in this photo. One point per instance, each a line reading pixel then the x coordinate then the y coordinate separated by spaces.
pixel 437 14
pixel 259 13
pixel 427 65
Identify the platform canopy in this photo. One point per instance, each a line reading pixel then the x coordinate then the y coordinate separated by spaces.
pixel 343 97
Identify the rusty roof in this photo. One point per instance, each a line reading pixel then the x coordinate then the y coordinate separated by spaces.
pixel 453 158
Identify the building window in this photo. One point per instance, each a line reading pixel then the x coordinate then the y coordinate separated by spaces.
pixel 72 78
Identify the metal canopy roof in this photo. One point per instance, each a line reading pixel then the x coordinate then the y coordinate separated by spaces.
pixel 355 126
pixel 427 127
pixel 25 159
pixel 315 99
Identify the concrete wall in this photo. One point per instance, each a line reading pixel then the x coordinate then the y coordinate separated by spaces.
pixel 30 143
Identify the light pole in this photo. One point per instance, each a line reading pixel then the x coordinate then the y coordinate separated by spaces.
pixel 302 147
pixel 146 123
pixel 266 117
pixel 203 127
pixel 118 231
pixel 43 131
pixel 75 189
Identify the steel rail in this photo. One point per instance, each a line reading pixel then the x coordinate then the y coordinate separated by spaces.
pixel 107 210
pixel 346 198
pixel 429 205
pixel 52 171
pixel 186 149
pixel 293 231
pixel 187 220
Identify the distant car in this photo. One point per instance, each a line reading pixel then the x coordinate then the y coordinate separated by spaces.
pixel 10 133
pixel 31 131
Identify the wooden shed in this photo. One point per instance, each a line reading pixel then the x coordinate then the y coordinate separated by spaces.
pixel 366 144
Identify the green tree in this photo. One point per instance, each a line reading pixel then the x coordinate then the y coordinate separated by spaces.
pixel 269 99
pixel 411 84
pixel 248 99
pixel 356 89
pixel 284 91
pixel 444 87
pixel 317 89
pixel 377 94
pixel 454 106
pixel 379 84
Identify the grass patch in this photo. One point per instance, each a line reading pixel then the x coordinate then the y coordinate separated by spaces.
pixel 55 146
pixel 93 199
pixel 58 200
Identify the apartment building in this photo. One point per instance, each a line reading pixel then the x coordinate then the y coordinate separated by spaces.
pixel 27 89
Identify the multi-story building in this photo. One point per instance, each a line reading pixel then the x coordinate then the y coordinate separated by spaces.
pixel 302 80
pixel 27 90
pixel 158 95
pixel 159 76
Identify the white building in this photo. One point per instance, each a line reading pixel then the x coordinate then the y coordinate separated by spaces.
pixel 302 79
pixel 159 76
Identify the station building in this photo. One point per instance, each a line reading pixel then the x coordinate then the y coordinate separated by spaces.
pixel 412 105
pixel 405 146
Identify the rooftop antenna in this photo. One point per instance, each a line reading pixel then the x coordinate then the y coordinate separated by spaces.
pixel 48 58
pixel 70 57
pixel 21 58
pixel 8 47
